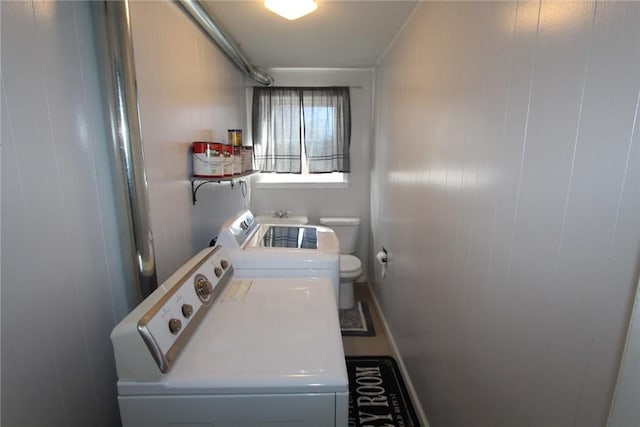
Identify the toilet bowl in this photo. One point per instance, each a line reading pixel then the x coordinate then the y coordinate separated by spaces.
pixel 350 270
pixel 346 230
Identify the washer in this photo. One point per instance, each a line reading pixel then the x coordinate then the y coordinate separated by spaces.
pixel 281 250
pixel 207 348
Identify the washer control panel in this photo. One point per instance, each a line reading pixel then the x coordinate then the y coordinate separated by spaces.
pixel 237 230
pixel 169 324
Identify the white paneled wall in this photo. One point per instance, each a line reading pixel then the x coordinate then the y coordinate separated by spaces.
pixel 62 283
pixel 63 286
pixel 511 206
pixel 188 91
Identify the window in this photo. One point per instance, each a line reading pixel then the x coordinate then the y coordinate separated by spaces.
pixel 302 131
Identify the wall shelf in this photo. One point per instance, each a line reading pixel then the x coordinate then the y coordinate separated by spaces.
pixel 197 182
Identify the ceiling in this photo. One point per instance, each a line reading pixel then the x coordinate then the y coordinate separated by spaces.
pixel 339 34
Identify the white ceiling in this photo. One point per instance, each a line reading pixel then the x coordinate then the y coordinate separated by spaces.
pixel 339 34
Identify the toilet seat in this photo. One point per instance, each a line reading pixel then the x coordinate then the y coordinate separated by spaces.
pixel 350 266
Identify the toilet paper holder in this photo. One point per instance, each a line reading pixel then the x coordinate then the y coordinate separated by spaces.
pixel 383 256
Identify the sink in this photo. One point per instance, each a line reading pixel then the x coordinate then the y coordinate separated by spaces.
pixel 295 219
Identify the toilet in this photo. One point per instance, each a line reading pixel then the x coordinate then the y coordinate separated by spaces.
pixel 346 230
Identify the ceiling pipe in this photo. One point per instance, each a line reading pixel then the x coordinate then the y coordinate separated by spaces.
pixel 206 22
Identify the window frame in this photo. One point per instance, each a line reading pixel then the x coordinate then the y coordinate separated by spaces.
pixel 304 178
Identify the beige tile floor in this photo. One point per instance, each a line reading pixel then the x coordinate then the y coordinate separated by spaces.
pixel 377 345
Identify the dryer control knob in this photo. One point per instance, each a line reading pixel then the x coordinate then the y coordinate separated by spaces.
pixel 225 264
pixel 175 325
pixel 217 271
pixel 187 310
pixel 203 289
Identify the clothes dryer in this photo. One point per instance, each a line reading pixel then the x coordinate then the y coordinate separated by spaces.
pixel 208 348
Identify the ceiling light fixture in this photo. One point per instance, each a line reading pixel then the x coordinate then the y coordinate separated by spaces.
pixel 291 9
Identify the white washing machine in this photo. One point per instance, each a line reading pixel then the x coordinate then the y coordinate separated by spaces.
pixel 281 250
pixel 210 349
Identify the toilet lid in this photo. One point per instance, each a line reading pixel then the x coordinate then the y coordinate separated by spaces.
pixel 349 264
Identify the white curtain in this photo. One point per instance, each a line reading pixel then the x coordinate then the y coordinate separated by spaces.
pixel 285 118
pixel 277 131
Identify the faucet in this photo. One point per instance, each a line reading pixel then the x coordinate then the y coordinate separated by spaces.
pixel 281 214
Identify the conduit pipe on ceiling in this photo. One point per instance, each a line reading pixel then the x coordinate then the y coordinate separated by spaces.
pixel 206 22
pixel 115 45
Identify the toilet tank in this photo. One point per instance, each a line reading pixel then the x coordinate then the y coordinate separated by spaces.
pixel 346 229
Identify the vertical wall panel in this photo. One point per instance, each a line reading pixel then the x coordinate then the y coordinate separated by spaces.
pixel 509 207
pixel 602 144
pixel 189 91
pixel 62 280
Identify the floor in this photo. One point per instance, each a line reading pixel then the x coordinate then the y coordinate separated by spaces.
pixel 377 345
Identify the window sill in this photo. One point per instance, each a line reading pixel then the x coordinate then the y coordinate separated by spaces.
pixel 301 185
pixel 303 181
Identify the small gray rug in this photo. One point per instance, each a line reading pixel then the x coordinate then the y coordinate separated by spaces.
pixel 356 321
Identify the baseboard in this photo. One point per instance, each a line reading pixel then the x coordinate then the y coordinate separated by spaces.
pixel 396 354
